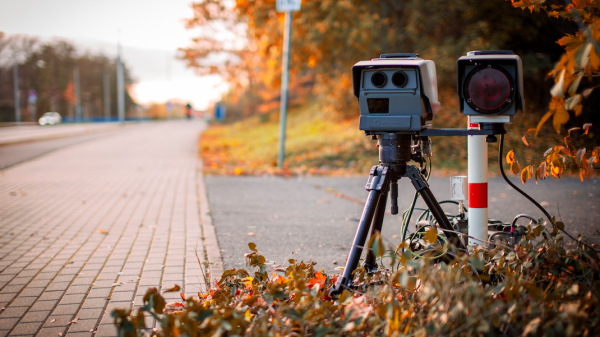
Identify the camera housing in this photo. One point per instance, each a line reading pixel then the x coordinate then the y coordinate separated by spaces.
pixel 490 85
pixel 396 93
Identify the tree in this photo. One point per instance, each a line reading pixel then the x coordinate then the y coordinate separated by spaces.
pixel 47 68
pixel 574 76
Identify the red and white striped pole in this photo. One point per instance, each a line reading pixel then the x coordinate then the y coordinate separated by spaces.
pixel 478 186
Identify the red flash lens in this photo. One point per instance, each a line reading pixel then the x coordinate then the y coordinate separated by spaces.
pixel 489 89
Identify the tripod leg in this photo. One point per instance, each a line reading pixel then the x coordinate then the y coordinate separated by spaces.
pixel 377 184
pixel 370 264
pixel 436 210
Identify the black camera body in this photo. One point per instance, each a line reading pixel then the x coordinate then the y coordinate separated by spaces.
pixel 490 85
pixel 396 93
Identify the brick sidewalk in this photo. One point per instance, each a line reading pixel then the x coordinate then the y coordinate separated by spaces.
pixel 89 228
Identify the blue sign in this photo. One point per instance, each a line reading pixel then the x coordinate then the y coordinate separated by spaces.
pixel 219 111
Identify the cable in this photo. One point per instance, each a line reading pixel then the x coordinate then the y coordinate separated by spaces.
pixel 406 217
pixel 500 156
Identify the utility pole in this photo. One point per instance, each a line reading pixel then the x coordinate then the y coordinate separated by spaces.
pixel 106 96
pixel 120 88
pixel 77 94
pixel 17 96
pixel 287 6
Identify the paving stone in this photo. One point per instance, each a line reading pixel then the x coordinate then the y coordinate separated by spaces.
pixel 58 320
pixel 58 286
pixel 72 299
pixel 101 292
pixel 122 296
pixel 26 328
pixel 106 330
pixel 83 325
pixel 79 334
pixel 52 331
pixel 92 303
pixel 44 305
pixel 78 289
pixel 35 316
pixel 51 295
pixel 11 312
pixel 8 322
pixel 23 301
pixel 31 291
pixel 90 313
pixel 65 309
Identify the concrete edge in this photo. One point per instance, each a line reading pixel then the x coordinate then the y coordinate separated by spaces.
pixel 211 244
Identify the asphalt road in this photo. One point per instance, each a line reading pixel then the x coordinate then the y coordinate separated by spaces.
pixel 12 154
pixel 302 218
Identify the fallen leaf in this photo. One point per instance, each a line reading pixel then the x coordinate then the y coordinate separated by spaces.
pixel 103 232
pixel 173 289
pixel 250 234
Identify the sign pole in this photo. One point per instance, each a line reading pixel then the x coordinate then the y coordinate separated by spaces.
pixel 17 97
pixel 478 187
pixel 284 86
pixel 106 96
pixel 77 94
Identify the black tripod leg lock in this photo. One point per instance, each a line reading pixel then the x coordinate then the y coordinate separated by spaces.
pixel 412 172
pixel 378 179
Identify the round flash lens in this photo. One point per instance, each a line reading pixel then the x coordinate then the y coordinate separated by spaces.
pixel 399 79
pixel 378 79
pixel 489 89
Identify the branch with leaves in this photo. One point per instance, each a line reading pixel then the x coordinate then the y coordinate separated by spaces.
pixel 559 159
pixel 580 59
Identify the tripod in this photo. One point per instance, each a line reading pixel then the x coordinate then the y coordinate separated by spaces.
pixel 394 154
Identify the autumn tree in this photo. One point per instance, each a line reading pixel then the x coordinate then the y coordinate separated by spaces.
pixel 575 80
pixel 242 41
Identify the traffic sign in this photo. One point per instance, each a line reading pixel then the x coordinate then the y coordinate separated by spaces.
pixel 219 111
pixel 32 98
pixel 288 5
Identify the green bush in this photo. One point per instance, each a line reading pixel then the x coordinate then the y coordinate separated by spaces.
pixel 539 287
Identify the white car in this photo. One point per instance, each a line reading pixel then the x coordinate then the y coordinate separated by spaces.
pixel 50 118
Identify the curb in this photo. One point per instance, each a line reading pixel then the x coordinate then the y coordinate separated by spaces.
pixel 211 245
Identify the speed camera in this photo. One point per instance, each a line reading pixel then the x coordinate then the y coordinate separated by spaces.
pixel 396 93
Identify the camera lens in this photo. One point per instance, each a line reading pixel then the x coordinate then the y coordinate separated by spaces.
pixel 489 89
pixel 378 79
pixel 399 79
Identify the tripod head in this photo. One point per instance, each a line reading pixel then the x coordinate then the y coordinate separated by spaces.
pixel 395 151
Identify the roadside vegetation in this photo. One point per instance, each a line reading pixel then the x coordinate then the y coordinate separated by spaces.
pixel 541 286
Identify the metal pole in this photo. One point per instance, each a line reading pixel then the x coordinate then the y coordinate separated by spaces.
pixel 17 96
pixel 284 86
pixel 106 96
pixel 77 94
pixel 478 187
pixel 120 90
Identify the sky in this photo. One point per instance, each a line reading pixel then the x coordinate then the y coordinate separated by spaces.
pixel 150 33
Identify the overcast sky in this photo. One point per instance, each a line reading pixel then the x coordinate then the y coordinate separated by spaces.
pixel 151 32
